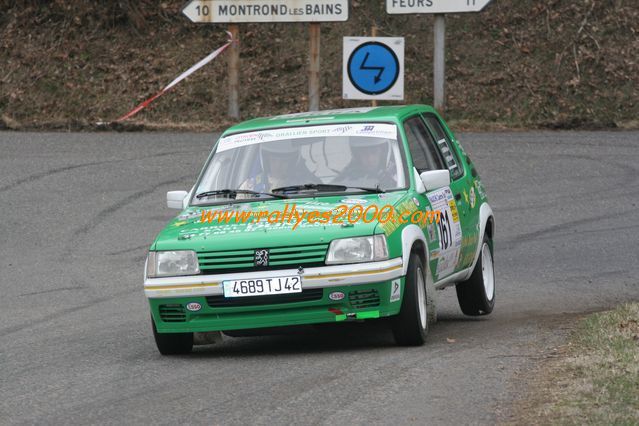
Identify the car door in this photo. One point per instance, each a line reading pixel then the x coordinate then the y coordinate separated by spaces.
pixel 444 238
pixel 463 190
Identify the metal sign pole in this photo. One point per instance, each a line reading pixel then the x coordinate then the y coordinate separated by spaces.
pixel 438 8
pixel 314 68
pixel 374 34
pixel 234 73
pixel 439 63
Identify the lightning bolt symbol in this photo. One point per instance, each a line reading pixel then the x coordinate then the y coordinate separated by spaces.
pixel 380 70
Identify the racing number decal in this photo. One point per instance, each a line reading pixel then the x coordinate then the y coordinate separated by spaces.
pixel 447 221
pixel 445 231
pixel 450 233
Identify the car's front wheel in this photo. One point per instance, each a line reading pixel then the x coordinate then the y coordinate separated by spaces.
pixel 476 296
pixel 172 343
pixel 410 326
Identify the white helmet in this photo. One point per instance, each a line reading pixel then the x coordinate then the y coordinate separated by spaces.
pixel 359 144
pixel 283 149
pixel 365 141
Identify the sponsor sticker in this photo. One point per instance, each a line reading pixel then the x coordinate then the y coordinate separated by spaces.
pixel 396 290
pixel 434 254
pixel 386 131
pixel 432 232
pixel 190 214
pixel 480 188
pixel 336 295
pixel 453 210
pixel 193 306
pixel 353 201
pixel 449 230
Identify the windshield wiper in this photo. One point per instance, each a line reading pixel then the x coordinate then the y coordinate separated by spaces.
pixel 376 190
pixel 325 187
pixel 232 193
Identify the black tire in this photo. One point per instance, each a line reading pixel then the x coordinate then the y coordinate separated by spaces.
pixel 410 326
pixel 173 343
pixel 472 294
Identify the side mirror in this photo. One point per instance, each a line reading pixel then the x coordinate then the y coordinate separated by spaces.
pixel 419 185
pixel 175 199
pixel 435 179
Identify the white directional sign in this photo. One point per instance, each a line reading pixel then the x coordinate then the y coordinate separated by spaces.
pixel 244 11
pixel 373 68
pixel 434 6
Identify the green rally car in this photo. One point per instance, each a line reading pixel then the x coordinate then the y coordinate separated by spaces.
pixel 320 218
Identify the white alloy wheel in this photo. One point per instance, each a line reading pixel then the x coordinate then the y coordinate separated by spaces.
pixel 476 295
pixel 421 298
pixel 488 271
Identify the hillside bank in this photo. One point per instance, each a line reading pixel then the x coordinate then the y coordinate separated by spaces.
pixel 518 64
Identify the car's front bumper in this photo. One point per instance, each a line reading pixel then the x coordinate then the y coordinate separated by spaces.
pixel 321 277
pixel 366 288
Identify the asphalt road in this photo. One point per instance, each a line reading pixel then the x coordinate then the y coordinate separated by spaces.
pixel 78 212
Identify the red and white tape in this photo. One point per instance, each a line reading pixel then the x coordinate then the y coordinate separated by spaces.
pixel 181 77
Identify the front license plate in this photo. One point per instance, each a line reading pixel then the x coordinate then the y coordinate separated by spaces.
pixel 263 286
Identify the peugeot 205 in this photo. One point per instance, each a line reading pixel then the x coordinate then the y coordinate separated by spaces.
pixel 323 217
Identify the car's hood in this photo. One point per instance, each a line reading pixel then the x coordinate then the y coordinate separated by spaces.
pixel 188 232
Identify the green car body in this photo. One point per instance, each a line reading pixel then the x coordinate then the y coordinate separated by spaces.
pixel 449 252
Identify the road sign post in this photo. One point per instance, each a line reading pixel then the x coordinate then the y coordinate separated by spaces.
pixel 439 8
pixel 234 73
pixel 373 68
pixel 261 11
pixel 314 68
pixel 439 63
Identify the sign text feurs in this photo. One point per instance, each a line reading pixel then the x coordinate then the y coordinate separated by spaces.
pixel 244 11
pixel 434 6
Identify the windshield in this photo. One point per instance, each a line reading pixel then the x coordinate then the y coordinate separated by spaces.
pixel 365 155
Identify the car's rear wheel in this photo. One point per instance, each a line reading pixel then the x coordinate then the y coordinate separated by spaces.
pixel 173 343
pixel 476 296
pixel 410 326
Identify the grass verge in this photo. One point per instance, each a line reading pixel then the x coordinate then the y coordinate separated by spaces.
pixel 595 378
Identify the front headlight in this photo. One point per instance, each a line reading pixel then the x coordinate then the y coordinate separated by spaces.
pixel 172 263
pixel 357 250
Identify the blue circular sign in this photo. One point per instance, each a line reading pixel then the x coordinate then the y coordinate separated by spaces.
pixel 373 68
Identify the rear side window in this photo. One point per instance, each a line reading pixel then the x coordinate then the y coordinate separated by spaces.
pixel 445 145
pixel 422 146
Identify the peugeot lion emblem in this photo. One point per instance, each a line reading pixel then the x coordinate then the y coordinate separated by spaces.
pixel 261 257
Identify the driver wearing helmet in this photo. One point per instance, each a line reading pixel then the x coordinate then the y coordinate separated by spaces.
pixel 370 164
pixel 281 165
